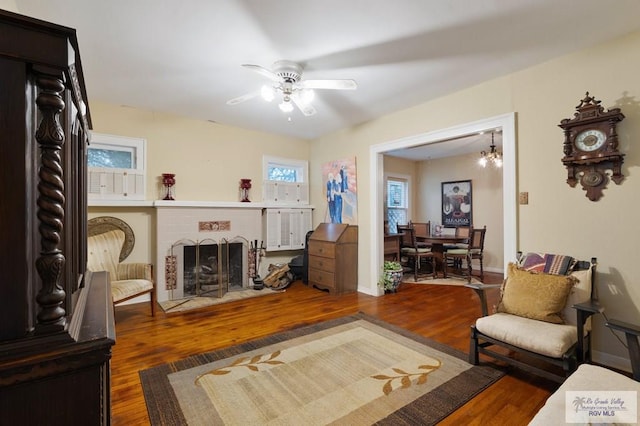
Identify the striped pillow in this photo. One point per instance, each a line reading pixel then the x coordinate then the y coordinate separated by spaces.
pixel 556 264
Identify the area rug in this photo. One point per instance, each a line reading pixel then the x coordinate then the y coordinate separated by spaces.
pixel 182 305
pixel 354 370
pixel 409 279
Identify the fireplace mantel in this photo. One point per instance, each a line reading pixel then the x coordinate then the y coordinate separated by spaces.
pixel 206 204
pixel 230 205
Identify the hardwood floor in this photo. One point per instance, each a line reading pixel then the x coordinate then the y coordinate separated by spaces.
pixel 443 313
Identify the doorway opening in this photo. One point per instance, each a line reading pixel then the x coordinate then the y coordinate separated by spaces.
pixel 505 122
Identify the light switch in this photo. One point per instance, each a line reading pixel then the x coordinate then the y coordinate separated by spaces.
pixel 524 198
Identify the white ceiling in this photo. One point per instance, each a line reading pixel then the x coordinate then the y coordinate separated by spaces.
pixel 474 143
pixel 183 57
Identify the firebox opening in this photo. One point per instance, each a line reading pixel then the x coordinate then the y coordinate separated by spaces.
pixel 212 269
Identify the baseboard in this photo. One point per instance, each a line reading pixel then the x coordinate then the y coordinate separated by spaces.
pixel 493 269
pixel 613 361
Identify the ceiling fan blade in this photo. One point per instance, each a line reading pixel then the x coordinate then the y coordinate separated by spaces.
pixel 305 108
pixel 264 72
pixel 243 98
pixel 328 84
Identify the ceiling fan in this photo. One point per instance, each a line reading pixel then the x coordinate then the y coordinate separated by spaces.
pixel 286 79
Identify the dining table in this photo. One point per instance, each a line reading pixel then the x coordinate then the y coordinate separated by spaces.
pixel 438 242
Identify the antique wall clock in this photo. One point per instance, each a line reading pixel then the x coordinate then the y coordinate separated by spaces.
pixel 591 147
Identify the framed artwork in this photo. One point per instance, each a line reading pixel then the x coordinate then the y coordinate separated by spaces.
pixel 341 191
pixel 457 203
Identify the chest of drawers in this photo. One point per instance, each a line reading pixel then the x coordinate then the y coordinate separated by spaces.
pixel 333 258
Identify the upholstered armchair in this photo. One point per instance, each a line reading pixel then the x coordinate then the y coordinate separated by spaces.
pixel 110 242
pixel 543 315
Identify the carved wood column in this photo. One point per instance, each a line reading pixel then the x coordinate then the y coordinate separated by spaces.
pixel 51 262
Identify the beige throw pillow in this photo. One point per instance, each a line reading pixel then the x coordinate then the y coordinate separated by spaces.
pixel 537 296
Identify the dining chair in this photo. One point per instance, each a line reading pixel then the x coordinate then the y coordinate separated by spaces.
pixel 461 232
pixel 474 251
pixel 422 230
pixel 405 240
pixel 418 257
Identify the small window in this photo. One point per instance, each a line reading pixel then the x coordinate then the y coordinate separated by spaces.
pixel 116 168
pixel 116 152
pixel 397 208
pixel 285 181
pixel 285 170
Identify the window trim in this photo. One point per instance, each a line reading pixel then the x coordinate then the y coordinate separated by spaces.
pixel 127 183
pixel 116 143
pixel 399 176
pixel 302 165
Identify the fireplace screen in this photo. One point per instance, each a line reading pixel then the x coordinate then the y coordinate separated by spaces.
pixel 207 268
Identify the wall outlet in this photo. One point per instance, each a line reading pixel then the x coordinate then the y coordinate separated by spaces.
pixel 524 198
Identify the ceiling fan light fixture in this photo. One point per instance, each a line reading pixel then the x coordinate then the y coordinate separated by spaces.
pixel 268 93
pixel 286 81
pixel 285 106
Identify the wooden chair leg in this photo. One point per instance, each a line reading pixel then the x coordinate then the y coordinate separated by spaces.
pixel 153 302
pixel 433 267
pixel 444 265
pixel 469 269
pixel 473 347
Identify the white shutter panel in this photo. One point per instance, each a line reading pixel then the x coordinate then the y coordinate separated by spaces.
pixel 298 230
pixel 285 229
pixel 272 229
pixel 95 184
pixel 269 191
pixel 303 193
pixel 118 183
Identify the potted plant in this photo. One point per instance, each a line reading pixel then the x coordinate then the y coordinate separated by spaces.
pixel 391 276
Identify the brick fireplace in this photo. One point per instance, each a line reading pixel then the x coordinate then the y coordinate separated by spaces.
pixel 202 224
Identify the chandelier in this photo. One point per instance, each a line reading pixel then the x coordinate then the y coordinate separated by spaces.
pixel 492 157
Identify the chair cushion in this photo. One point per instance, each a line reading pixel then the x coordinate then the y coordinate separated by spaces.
pixel 123 289
pixel 537 296
pixel 409 250
pixel 458 251
pixel 103 252
pixel 536 336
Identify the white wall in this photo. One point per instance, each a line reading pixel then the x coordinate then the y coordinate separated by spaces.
pixel 558 218
pixel 486 185
pixel 9 5
pixel 208 159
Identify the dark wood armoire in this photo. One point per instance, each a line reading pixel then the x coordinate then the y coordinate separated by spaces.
pixel 56 320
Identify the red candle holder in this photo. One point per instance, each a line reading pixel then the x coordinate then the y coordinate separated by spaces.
pixel 245 186
pixel 168 180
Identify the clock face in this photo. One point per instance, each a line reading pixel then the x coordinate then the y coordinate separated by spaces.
pixel 590 140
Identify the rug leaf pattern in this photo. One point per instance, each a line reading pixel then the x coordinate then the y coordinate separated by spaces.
pixel 405 377
pixel 252 365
